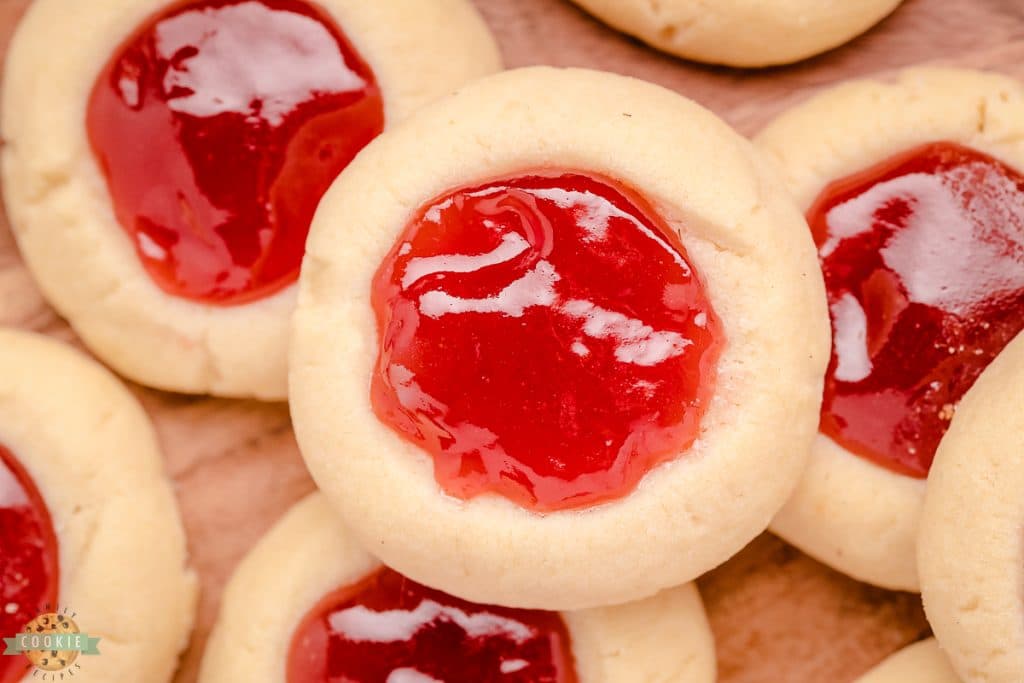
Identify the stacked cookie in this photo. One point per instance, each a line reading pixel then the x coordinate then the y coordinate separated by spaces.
pixel 556 344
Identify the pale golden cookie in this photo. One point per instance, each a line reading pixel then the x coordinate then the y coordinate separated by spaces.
pixel 922 662
pixel 747 33
pixel 970 553
pixel 744 237
pixel 60 209
pixel 91 451
pixel 856 516
pixel 309 554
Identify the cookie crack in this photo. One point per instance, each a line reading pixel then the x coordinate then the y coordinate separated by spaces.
pixel 48 180
pixel 90 515
pixel 982 123
pixel 213 377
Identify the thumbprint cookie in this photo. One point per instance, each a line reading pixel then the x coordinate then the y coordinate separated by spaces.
pixel 310 605
pixel 971 549
pixel 90 538
pixel 568 351
pixel 163 160
pixel 744 33
pixel 913 187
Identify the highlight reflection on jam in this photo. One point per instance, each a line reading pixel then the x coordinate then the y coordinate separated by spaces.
pixel 28 558
pixel 923 258
pixel 219 125
pixel 544 338
pixel 388 629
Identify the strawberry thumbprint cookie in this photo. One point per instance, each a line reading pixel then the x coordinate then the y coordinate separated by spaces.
pixel 90 538
pixel 569 352
pixel 914 191
pixel 163 160
pixel 310 605
pixel 971 544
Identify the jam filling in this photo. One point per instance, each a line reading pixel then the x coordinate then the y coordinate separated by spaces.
pixel 387 629
pixel 219 125
pixel 923 257
pixel 28 558
pixel 545 338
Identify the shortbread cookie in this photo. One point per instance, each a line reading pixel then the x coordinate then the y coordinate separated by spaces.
pixel 914 191
pixel 741 32
pixel 163 160
pixel 309 604
pixel 87 520
pixel 970 551
pixel 568 350
pixel 922 662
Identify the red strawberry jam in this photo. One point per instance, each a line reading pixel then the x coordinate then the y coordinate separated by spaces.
pixel 923 257
pixel 545 338
pixel 28 558
pixel 219 125
pixel 387 629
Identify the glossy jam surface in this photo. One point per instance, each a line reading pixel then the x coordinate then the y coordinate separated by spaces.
pixel 544 338
pixel 923 258
pixel 28 558
pixel 388 629
pixel 219 125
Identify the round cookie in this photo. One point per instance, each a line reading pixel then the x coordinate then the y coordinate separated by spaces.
pixel 688 514
pixel 922 662
pixel 849 512
pixel 744 33
pixel 60 204
pixel 309 554
pixel 969 549
pixel 88 447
